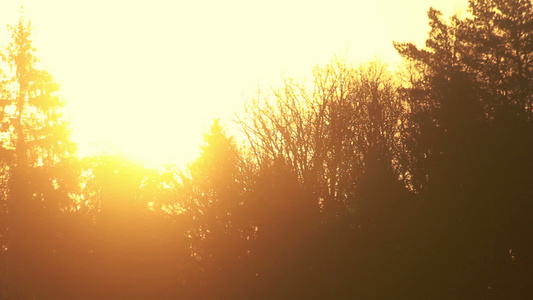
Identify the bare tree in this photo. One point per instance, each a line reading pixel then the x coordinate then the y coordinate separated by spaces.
pixel 328 133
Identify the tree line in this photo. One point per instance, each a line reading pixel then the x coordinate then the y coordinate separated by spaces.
pixel 363 183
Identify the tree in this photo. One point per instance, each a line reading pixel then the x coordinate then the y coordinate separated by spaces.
pixel 329 134
pixel 327 155
pixel 213 197
pixel 466 134
pixel 496 45
pixel 37 159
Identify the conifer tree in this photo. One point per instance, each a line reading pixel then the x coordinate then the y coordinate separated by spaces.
pixel 36 160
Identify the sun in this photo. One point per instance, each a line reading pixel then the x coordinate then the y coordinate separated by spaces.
pixel 153 136
pixel 146 78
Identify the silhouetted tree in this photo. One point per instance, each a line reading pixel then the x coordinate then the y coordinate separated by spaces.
pixel 212 196
pixel 334 149
pixel 327 133
pixel 470 85
pixel 495 44
pixel 285 253
pixel 353 185
pixel 37 160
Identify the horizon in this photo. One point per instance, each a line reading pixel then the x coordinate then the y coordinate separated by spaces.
pixel 354 176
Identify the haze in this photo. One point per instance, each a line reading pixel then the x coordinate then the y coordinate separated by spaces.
pixel 146 78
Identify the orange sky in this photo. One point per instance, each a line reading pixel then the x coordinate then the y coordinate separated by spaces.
pixel 146 78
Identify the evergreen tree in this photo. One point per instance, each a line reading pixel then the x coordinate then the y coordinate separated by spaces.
pixel 37 161
pixel 466 135
pixel 212 194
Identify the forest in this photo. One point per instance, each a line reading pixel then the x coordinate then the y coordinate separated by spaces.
pixel 367 183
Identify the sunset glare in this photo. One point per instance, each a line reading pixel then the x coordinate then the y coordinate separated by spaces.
pixel 282 149
pixel 146 78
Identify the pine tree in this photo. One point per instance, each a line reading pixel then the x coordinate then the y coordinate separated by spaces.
pixel 213 199
pixel 467 136
pixel 37 160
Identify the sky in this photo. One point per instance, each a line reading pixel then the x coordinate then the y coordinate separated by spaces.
pixel 147 78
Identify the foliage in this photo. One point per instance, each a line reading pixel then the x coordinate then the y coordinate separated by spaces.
pixel 36 160
pixel 362 183
pixel 472 85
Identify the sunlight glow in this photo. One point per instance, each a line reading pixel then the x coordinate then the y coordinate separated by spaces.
pixel 146 78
